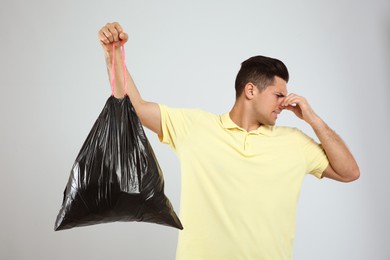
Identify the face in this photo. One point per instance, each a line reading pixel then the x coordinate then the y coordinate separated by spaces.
pixel 267 103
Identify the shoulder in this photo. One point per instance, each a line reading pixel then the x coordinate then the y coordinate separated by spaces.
pixel 192 111
pixel 192 114
pixel 285 130
pixel 291 132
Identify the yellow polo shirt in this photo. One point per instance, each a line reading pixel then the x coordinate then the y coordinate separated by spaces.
pixel 239 189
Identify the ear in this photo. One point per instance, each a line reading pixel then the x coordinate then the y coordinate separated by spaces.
pixel 249 90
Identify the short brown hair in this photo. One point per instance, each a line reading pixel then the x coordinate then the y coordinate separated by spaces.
pixel 261 71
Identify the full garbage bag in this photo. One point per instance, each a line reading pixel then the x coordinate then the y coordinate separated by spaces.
pixel 116 176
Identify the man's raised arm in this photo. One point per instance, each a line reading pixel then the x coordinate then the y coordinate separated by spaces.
pixel 342 165
pixel 148 112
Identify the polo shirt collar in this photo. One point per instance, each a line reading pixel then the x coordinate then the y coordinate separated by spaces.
pixel 228 123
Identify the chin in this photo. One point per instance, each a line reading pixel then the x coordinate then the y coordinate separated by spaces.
pixel 271 122
pixel 268 124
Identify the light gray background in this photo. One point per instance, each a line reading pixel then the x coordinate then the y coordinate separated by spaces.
pixel 186 54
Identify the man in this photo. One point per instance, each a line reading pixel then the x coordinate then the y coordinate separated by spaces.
pixel 241 175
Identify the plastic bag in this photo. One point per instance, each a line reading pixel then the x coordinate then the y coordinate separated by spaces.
pixel 116 176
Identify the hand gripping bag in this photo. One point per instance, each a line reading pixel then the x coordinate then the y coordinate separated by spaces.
pixel 116 176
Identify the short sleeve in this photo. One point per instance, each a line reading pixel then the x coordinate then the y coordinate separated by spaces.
pixel 315 156
pixel 176 124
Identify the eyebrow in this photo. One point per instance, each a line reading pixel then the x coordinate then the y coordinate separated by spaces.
pixel 280 94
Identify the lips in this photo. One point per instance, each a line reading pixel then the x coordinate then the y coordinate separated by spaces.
pixel 276 113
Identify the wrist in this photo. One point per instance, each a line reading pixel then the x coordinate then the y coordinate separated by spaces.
pixel 317 123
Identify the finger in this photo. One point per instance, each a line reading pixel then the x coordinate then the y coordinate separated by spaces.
pixel 294 99
pixel 123 37
pixel 287 98
pixel 118 27
pixel 292 108
pixel 113 32
pixel 297 110
pixel 110 31
pixel 291 100
pixel 103 36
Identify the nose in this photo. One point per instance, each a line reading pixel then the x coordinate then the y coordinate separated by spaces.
pixel 280 103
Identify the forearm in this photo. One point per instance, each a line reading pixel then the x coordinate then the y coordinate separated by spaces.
pixel 119 82
pixel 148 112
pixel 340 158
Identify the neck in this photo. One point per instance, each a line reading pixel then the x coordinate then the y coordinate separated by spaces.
pixel 242 117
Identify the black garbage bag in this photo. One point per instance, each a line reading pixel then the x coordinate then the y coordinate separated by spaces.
pixel 116 176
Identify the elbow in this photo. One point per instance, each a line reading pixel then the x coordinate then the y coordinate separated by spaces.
pixel 356 175
pixel 353 175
